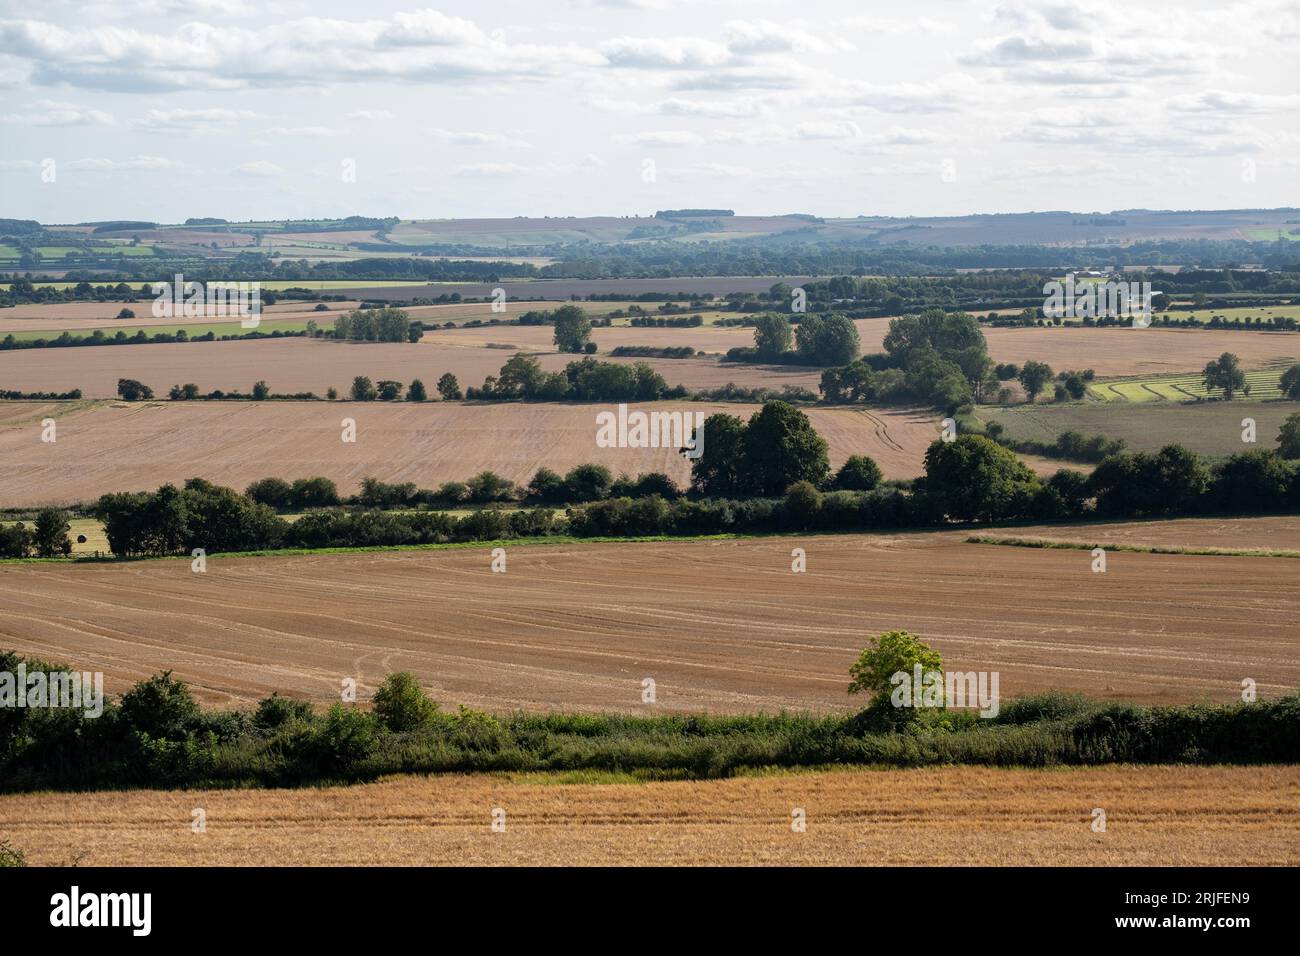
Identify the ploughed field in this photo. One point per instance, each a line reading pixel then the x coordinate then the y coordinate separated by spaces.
pixel 120 446
pixel 946 816
pixel 720 625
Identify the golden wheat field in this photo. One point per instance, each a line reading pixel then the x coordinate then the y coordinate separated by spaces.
pixel 942 816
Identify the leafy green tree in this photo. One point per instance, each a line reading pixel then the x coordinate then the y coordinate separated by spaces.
pixel 415 391
pixel 449 388
pixel 802 502
pixel 945 332
pixel 161 707
pixel 828 340
pixel 1225 373
pixel 547 486
pixel 315 492
pixel 1074 385
pixel 260 391
pixel 572 328
pixel 488 486
pixel 1291 382
pixel 972 478
pixel 1288 439
pixel 780 447
pixel 129 390
pixel 401 704
pixel 363 390
pixel 588 483
pixel 852 383
pixel 1034 376
pixel 891 653
pixel 50 533
pixel 273 492
pixel 1251 481
pixel 858 473
pixel 388 390
pixel 520 377
pixel 772 335
pixel 15 540
pixel 718 470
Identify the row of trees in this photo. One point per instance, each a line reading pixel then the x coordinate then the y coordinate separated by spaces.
pixel 46 538
pixel 377 325
pixel 830 339
pixel 585 380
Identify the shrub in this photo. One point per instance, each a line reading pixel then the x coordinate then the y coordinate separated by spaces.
pixel 275 711
pixel 401 704
pixel 161 707
pixel 858 473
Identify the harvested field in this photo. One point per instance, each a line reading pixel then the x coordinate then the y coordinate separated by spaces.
pixel 564 289
pixel 721 625
pixel 1115 351
pixel 538 338
pixel 314 365
pixel 1281 533
pixel 942 816
pixel 118 446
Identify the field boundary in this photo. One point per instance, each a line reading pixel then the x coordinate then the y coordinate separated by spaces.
pixel 1047 543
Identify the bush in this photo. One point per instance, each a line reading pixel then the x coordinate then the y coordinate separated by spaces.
pixel 345 738
pixel 161 707
pixel 275 711
pixel 401 704
pixel 858 473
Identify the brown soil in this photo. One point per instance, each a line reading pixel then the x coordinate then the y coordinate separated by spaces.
pixel 721 626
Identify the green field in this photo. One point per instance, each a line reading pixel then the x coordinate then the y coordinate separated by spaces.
pixel 198 328
pixel 1264 385
pixel 1207 428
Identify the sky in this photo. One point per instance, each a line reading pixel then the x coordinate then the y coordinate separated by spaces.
pixel 166 109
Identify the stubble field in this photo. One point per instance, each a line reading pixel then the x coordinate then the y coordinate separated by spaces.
pixel 121 447
pixel 940 816
pixel 722 626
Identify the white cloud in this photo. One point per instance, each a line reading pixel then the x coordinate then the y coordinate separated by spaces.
pixel 56 113
pixel 192 120
pixel 477 138
pixel 136 163
pixel 301 132
pixel 420 47
pixel 259 169
pixel 666 137
pixel 491 170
